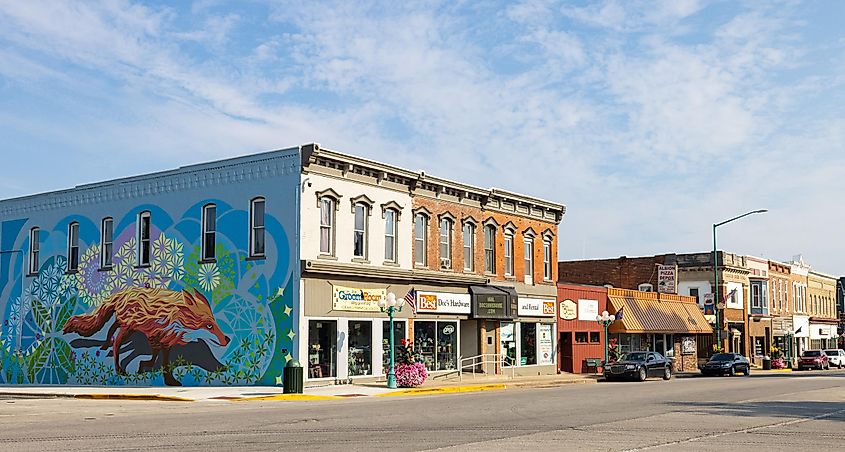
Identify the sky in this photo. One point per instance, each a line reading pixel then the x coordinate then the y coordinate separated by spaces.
pixel 650 121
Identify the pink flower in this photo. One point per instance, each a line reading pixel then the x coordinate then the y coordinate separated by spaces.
pixel 410 375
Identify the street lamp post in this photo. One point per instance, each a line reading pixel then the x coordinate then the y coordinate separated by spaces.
pixel 605 320
pixel 716 272
pixel 391 308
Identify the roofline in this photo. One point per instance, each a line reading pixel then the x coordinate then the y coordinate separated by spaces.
pixel 194 167
pixel 314 149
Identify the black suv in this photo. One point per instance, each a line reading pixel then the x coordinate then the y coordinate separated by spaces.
pixel 726 364
pixel 639 366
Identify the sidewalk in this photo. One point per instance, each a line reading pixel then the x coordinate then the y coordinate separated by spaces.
pixel 253 393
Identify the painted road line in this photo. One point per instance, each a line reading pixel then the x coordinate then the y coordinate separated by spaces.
pixel 424 391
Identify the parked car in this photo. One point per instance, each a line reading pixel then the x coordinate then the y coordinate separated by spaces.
pixel 813 359
pixel 836 357
pixel 726 364
pixel 639 366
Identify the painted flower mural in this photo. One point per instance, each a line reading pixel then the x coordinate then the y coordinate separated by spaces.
pixel 241 295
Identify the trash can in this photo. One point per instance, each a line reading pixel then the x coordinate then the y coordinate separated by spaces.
pixel 767 363
pixel 293 378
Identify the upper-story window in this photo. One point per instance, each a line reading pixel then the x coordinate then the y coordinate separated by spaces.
pixel 143 239
pixel 445 243
pixel 420 239
pixel 390 235
pixel 34 250
pixel 359 234
pixel 106 243
pixel 256 227
pixel 528 256
pixel 508 254
pixel 209 232
pixel 547 260
pixel 756 295
pixel 490 248
pixel 73 247
pixel 327 217
pixel 469 246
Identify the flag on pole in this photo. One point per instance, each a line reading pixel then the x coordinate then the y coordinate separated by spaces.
pixel 411 300
pixel 799 329
pixel 619 313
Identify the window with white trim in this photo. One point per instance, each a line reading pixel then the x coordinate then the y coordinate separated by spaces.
pixel 547 260
pixel 34 250
pixel 327 216
pixel 445 243
pixel 508 254
pixel 420 239
pixel 469 247
pixel 756 295
pixel 144 247
pixel 73 247
pixel 209 232
pixel 359 234
pixel 390 235
pixel 256 227
pixel 106 243
pixel 528 257
pixel 490 249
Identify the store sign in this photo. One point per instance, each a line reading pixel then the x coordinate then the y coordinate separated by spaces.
pixel 443 303
pixel 356 299
pixel 708 304
pixel 489 306
pixel 545 351
pixel 535 307
pixel 666 278
pixel 568 310
pixel 588 310
pixel 688 345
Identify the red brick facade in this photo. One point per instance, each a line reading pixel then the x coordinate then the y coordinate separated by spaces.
pixel 521 226
pixel 624 272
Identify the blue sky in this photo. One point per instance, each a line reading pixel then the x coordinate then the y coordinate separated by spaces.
pixel 649 120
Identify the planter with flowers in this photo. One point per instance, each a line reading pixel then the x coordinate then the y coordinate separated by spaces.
pixel 777 358
pixel 410 373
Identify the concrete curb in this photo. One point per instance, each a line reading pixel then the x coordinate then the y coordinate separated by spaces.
pixel 285 397
pixel 451 389
pixel 146 397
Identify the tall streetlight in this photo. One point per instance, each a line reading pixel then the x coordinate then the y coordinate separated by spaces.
pixel 390 307
pixel 716 272
pixel 605 320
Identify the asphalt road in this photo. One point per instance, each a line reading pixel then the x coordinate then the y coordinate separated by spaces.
pixel 798 411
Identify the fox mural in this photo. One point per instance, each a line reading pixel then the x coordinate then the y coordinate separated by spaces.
pixel 167 318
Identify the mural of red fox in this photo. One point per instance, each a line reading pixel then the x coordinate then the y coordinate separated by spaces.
pixel 165 317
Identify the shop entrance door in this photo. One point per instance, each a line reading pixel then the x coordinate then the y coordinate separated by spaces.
pixel 322 348
pixel 566 351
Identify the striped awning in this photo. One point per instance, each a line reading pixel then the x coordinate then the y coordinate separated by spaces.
pixel 648 312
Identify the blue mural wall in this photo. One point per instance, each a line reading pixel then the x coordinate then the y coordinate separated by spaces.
pixel 180 320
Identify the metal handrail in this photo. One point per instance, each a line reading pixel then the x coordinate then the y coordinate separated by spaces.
pixel 475 361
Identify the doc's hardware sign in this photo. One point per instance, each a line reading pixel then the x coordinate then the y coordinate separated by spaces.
pixel 535 307
pixel 356 299
pixel 444 303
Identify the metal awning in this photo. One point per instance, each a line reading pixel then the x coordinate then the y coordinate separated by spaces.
pixel 643 312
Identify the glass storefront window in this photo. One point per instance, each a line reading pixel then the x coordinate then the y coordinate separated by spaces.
pixel 436 344
pixel 360 347
pixel 322 342
pixel 447 345
pixel 528 344
pixel 506 334
pixel 398 335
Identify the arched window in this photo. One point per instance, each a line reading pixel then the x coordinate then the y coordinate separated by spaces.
pixel 390 217
pixel 469 246
pixel 490 249
pixel 445 243
pixel 359 235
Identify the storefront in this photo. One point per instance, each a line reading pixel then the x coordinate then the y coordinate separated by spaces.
pixel 801 341
pixel 760 333
pixel 822 333
pixel 348 337
pixel 581 338
pixel 517 330
pixel 665 323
